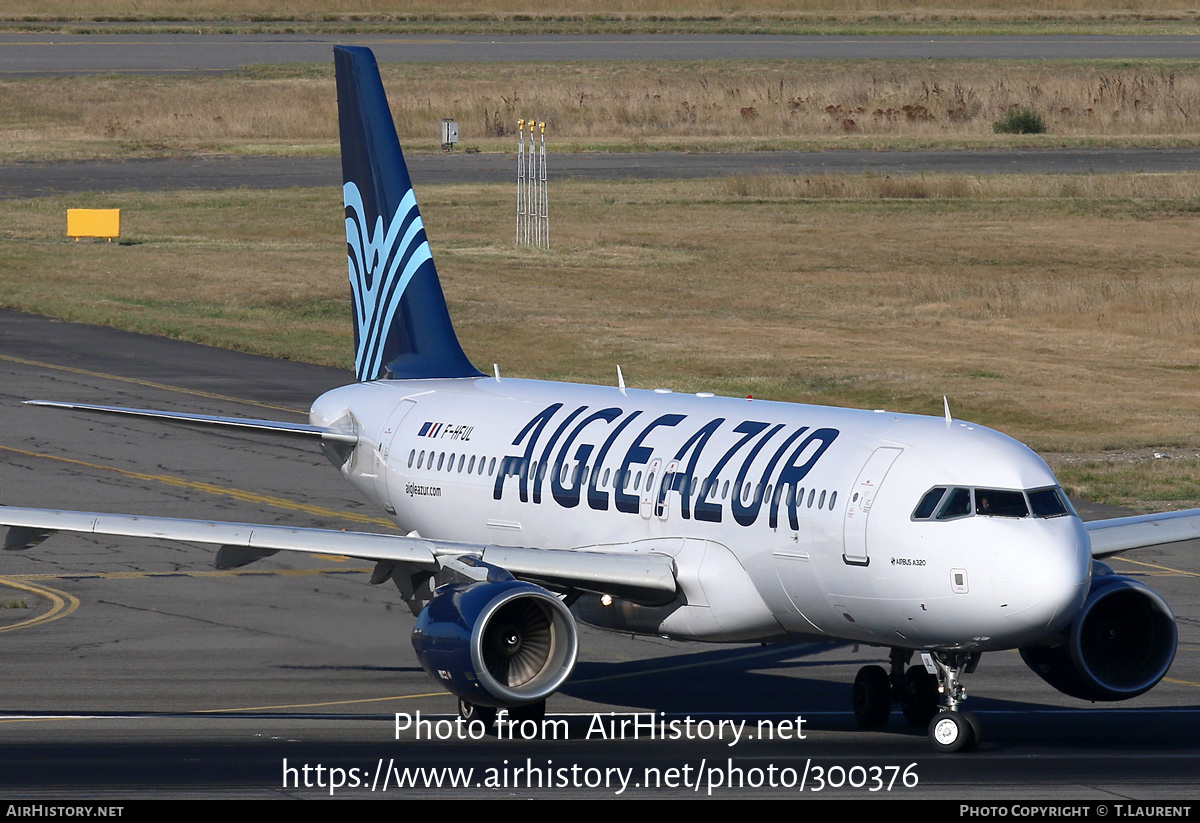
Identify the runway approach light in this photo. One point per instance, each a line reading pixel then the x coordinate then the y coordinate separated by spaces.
pixel 93 223
pixel 533 204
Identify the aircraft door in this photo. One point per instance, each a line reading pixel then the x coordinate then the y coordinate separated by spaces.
pixel 858 509
pixel 662 506
pixel 387 484
pixel 650 486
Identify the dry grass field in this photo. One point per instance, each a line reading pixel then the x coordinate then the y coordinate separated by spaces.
pixel 1062 310
pixel 612 15
pixel 622 106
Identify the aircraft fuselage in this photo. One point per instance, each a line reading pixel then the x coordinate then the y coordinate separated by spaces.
pixel 782 519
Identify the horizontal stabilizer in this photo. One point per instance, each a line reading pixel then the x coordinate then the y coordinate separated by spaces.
pixel 266 426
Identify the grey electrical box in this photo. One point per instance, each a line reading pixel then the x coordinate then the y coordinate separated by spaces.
pixel 449 134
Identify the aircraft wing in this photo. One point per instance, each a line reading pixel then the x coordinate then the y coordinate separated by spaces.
pixel 1141 531
pixel 644 577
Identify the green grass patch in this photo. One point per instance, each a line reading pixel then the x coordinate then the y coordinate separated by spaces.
pixel 1141 483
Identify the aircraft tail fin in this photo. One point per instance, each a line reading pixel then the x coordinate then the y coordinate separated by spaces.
pixel 402 327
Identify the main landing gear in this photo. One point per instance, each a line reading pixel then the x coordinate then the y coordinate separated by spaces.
pixel 486 715
pixel 917 691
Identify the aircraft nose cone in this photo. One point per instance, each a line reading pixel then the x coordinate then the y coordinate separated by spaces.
pixel 1040 585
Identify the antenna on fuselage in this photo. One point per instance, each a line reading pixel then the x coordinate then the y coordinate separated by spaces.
pixel 496 371
pixel 620 380
pixel 945 405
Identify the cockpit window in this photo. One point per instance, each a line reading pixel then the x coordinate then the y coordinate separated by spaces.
pixel 928 503
pixel 958 504
pixel 1000 503
pixel 1047 503
pixel 964 502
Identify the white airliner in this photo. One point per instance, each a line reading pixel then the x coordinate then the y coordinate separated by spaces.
pixel 529 505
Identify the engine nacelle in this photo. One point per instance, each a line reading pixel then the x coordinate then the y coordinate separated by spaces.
pixel 498 644
pixel 1120 644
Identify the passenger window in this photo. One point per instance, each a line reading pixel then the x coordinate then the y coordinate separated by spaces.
pixel 821 504
pixel 832 500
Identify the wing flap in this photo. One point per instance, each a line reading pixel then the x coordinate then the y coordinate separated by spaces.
pixel 646 578
pixel 1142 531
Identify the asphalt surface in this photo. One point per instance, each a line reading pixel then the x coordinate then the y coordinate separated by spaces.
pixel 39 179
pixel 135 671
pixel 65 54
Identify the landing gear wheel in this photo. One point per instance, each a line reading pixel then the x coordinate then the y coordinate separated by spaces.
pixel 872 697
pixel 976 731
pixel 922 703
pixel 530 711
pixel 951 732
pixel 470 712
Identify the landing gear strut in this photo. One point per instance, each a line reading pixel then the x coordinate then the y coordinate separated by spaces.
pixel 917 691
pixel 487 715
pixel 952 729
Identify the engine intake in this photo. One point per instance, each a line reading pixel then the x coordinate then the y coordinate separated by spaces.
pixel 1120 644
pixel 497 644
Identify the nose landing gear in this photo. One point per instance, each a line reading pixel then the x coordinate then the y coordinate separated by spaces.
pixel 917 690
pixel 952 729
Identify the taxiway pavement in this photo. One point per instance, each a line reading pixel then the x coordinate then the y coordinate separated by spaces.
pixel 136 671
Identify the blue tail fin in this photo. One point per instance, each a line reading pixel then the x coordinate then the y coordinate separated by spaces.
pixel 402 327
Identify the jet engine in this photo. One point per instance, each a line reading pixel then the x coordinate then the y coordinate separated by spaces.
pixel 1120 644
pixel 499 642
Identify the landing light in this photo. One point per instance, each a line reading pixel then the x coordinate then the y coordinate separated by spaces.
pixel 606 600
